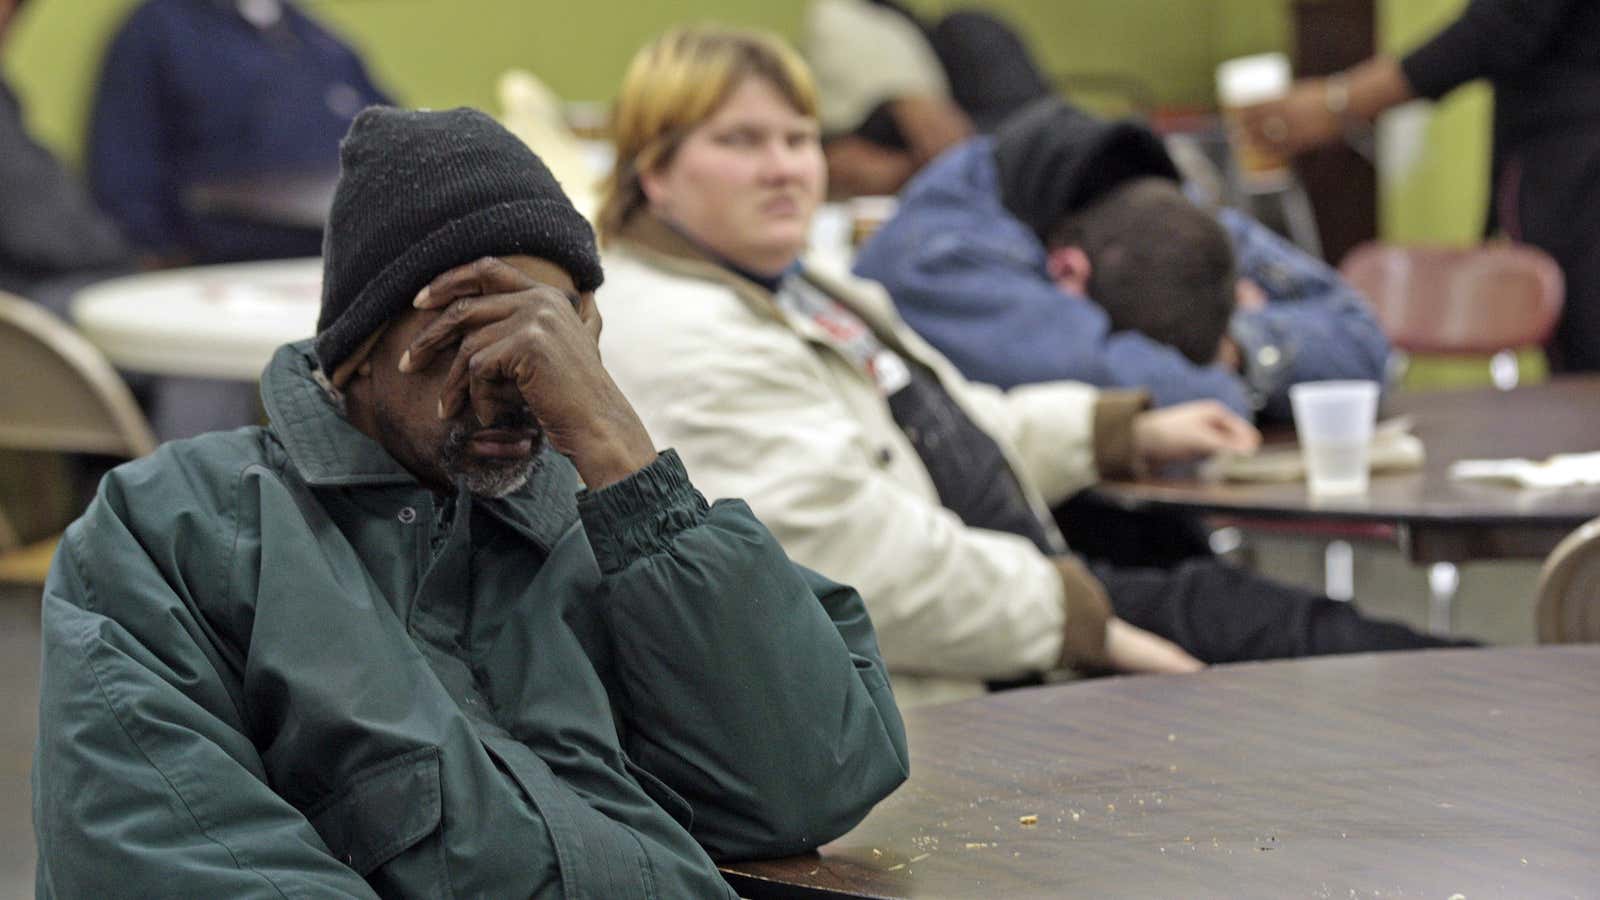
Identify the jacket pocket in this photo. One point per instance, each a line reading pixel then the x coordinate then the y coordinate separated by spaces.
pixel 664 796
pixel 386 809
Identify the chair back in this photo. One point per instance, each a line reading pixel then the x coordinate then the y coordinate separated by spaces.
pixel 60 392
pixel 1569 589
pixel 1471 301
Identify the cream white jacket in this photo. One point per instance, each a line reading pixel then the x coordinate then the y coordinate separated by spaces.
pixel 762 406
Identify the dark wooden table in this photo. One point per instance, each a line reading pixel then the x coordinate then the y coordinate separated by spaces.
pixel 1422 774
pixel 1441 519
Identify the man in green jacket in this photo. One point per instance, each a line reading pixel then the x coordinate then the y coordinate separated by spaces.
pixel 449 625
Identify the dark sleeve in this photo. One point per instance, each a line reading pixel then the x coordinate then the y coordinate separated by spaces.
pixel 48 226
pixel 131 130
pixel 354 69
pixel 750 685
pixel 1491 38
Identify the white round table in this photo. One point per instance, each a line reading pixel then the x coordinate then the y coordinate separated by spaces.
pixel 222 321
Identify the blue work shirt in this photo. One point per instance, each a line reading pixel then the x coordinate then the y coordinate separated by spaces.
pixel 972 280
pixel 192 92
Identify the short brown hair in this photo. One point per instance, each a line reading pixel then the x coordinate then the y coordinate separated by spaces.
pixel 678 81
pixel 1158 264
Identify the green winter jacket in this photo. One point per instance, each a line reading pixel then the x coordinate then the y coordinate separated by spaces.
pixel 275 665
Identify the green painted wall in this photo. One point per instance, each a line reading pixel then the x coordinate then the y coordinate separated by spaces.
pixel 1443 198
pixel 431 53
pixel 437 53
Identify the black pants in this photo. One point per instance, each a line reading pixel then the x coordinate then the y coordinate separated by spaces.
pixel 1162 577
pixel 1550 197
pixel 1221 613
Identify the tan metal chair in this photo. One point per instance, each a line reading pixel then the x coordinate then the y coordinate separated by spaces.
pixel 1569 589
pixel 60 394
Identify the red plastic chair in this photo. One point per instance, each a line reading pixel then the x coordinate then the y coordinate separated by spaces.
pixel 1487 300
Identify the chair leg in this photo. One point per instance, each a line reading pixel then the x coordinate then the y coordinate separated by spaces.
pixel 1228 542
pixel 1339 571
pixel 1503 370
pixel 1443 580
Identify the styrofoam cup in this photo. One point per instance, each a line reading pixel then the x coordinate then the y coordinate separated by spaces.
pixel 1334 421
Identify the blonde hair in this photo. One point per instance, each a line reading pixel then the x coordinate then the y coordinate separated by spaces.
pixel 678 81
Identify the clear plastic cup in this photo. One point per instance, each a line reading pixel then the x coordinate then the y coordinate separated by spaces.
pixel 1245 81
pixel 1334 421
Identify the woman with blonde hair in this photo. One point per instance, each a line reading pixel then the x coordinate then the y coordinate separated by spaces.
pixel 862 449
pixel 681 80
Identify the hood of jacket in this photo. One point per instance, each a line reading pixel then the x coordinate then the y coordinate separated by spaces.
pixel 1054 159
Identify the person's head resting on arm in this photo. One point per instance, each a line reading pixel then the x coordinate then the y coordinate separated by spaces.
pixel 717 136
pixel 458 327
pixel 1155 262
pixel 1105 200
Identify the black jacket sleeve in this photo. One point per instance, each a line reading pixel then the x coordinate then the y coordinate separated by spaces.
pixel 1492 38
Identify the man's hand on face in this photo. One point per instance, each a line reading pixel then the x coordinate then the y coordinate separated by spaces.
pixel 1190 431
pixel 508 329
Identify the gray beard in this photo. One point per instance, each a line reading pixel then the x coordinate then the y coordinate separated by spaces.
pixel 487 478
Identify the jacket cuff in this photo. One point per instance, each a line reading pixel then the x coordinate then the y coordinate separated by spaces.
pixel 1114 412
pixel 640 514
pixel 1265 355
pixel 1088 609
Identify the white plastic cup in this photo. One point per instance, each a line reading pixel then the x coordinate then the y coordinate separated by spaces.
pixel 1334 421
pixel 1245 81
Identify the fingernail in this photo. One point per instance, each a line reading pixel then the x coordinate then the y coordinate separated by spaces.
pixel 405 361
pixel 422 296
pixel 441 409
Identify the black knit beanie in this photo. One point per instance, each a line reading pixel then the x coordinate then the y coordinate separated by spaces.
pixel 1054 159
pixel 422 192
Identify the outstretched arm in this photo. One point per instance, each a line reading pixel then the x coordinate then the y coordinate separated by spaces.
pixel 1491 38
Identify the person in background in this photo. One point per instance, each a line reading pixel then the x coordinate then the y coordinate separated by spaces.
pixel 1063 247
pixel 449 625
pixel 1540 57
pixel 866 453
pixel 53 239
pixel 198 95
pixel 894 92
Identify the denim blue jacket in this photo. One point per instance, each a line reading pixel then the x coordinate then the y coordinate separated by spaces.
pixel 971 279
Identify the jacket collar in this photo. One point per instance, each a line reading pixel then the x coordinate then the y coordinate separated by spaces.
pixel 662 245
pixel 327 451
pixel 657 243
pixel 323 446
